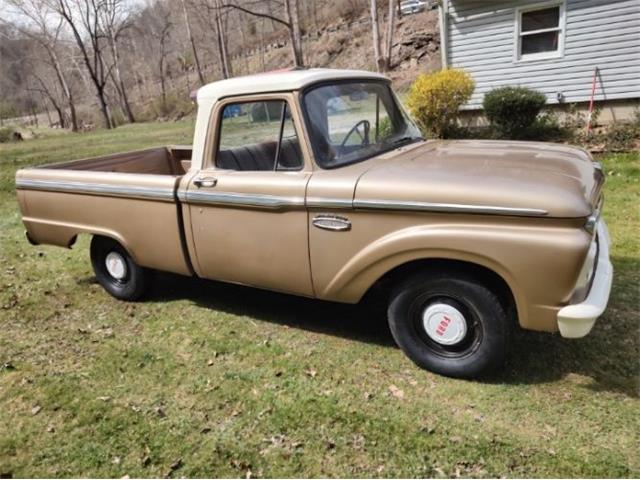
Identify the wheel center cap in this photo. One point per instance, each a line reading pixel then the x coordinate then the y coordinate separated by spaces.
pixel 116 265
pixel 444 324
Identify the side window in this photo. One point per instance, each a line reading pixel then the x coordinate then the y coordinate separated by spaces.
pixel 258 136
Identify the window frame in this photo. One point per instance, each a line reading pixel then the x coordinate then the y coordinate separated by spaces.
pixel 561 29
pixel 212 143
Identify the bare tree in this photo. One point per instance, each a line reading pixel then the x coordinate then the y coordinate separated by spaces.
pixel 161 36
pixel 192 42
pixel 290 20
pixel 46 91
pixel 113 22
pixel 83 18
pixel 47 34
pixel 383 58
pixel 221 32
pixel 291 11
pixel 216 23
pixel 389 36
pixel 376 34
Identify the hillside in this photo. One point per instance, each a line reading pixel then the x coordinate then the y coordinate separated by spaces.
pixel 348 45
pixel 342 44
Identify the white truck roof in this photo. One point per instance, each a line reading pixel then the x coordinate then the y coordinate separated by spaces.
pixel 278 81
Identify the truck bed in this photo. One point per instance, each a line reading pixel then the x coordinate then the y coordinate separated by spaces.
pixel 170 160
pixel 130 197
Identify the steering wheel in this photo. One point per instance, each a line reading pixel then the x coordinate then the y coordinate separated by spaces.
pixel 364 138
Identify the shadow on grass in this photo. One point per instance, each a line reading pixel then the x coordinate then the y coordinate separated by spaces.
pixel 365 322
pixel 605 360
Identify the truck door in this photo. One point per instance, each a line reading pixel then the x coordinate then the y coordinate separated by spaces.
pixel 247 204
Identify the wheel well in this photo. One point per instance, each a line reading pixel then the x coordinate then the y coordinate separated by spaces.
pixel 494 282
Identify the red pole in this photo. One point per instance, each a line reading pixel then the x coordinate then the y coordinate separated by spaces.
pixel 593 93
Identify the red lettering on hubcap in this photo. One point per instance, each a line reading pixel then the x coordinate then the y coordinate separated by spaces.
pixel 442 326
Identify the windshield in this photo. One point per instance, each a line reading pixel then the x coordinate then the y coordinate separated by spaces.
pixel 350 122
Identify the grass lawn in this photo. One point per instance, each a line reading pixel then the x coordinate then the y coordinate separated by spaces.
pixel 205 379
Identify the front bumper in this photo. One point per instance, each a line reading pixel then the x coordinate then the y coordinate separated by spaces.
pixel 577 320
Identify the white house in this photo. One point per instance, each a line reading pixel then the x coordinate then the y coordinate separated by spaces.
pixel 553 46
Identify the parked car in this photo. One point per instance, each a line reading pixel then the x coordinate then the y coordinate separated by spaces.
pixel 407 7
pixel 465 240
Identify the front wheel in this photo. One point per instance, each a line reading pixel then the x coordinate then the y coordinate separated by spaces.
pixel 116 271
pixel 449 324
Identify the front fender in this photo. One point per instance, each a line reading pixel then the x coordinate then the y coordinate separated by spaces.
pixel 523 256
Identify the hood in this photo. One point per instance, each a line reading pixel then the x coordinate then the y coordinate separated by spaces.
pixel 500 177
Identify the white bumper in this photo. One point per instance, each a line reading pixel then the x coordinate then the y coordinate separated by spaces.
pixel 577 320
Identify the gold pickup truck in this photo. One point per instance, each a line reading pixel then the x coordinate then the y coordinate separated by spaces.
pixel 317 183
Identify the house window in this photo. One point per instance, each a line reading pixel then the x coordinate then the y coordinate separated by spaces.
pixel 540 31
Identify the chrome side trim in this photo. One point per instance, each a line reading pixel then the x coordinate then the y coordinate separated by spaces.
pixel 320 202
pixel 334 223
pixel 146 193
pixel 242 199
pixel 446 208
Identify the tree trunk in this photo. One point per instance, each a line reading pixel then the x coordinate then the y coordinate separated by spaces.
pixel 222 43
pixel 52 99
pixel 122 92
pixel 376 35
pixel 389 38
pixel 104 108
pixel 46 111
pixel 291 11
pixel 95 68
pixel 163 85
pixel 262 48
pixel 65 88
pixel 192 41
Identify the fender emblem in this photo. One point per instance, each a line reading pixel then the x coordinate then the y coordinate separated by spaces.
pixel 334 223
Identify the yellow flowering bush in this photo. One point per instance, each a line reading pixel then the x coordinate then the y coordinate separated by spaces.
pixel 435 98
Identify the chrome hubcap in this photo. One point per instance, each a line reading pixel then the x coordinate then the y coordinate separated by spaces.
pixel 444 324
pixel 116 265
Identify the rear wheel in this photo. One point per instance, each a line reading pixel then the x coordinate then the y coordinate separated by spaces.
pixel 450 324
pixel 116 271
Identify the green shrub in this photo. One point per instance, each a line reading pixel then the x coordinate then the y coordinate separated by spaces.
pixel 435 99
pixel 513 110
pixel 547 128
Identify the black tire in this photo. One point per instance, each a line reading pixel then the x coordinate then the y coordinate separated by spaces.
pixel 478 352
pixel 132 285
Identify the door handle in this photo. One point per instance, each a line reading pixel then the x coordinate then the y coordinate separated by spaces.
pixel 206 182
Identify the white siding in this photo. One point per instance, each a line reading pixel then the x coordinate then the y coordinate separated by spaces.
pixel 599 33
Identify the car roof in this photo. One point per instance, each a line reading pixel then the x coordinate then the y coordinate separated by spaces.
pixel 278 81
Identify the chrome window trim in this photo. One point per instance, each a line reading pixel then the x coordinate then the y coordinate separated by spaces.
pixel 146 193
pixel 446 208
